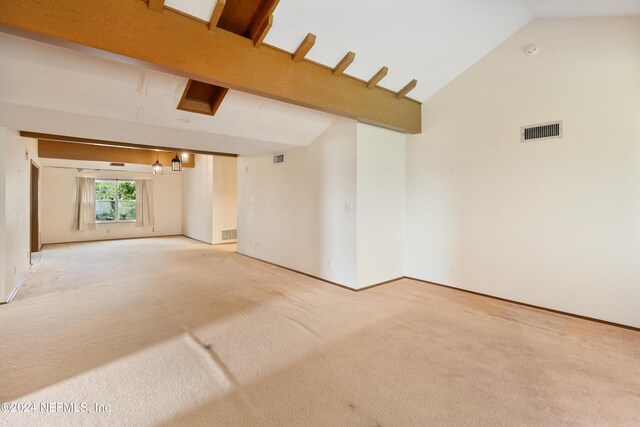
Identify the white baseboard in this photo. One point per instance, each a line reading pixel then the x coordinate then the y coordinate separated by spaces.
pixel 17 288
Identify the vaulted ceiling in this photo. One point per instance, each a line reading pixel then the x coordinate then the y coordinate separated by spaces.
pixel 57 90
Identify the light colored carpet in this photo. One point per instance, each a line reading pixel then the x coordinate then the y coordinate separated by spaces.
pixel 170 331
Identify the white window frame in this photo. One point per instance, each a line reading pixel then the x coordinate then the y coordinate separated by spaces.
pixel 117 200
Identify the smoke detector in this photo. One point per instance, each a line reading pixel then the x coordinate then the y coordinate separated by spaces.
pixel 532 50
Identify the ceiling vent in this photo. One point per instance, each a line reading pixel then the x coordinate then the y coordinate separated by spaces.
pixel 541 131
pixel 278 159
pixel 118 165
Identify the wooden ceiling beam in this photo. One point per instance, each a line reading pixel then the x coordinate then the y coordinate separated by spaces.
pixel 172 43
pixel 304 48
pixel 408 88
pixel 262 33
pixel 216 99
pixel 101 153
pixel 377 77
pixel 217 13
pixel 260 18
pixel 203 98
pixel 90 141
pixel 200 107
pixel 344 64
pixel 156 5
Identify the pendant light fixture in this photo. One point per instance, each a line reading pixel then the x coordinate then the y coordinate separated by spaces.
pixel 176 164
pixel 157 166
pixel 185 157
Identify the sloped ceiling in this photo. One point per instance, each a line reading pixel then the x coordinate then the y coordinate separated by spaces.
pixel 35 74
pixel 430 40
pixel 582 8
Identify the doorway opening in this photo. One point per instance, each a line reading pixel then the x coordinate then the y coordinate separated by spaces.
pixel 35 218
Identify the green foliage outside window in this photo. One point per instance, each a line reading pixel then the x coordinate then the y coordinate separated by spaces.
pixel 127 190
pixel 106 190
pixel 105 211
pixel 108 208
pixel 127 211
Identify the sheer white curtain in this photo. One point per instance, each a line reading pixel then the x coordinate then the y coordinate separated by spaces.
pixel 144 203
pixel 85 218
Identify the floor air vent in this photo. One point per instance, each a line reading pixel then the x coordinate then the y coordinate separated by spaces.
pixel 229 234
pixel 541 131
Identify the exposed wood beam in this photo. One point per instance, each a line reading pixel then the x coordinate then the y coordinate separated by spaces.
pixel 156 5
pixel 63 138
pixel 175 44
pixel 304 48
pixel 217 13
pixel 262 33
pixel 203 98
pixel 192 106
pixel 408 88
pixel 103 153
pixel 185 14
pixel 344 63
pixel 260 18
pixel 377 77
pixel 241 16
pixel 184 99
pixel 216 99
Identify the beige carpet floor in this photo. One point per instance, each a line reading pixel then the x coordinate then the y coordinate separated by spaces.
pixel 170 331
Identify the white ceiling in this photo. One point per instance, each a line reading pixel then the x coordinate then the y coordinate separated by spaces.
pixel 55 122
pixel 34 74
pixel 430 40
pixel 582 8
pixel 52 89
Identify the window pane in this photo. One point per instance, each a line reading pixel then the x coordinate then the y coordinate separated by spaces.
pixel 105 190
pixel 105 211
pixel 127 210
pixel 126 190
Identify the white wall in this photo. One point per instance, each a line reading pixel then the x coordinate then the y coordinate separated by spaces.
pixel 553 223
pixel 197 207
pixel 334 210
pixel 301 213
pixel 225 197
pixel 15 171
pixel 3 190
pixel 59 198
pixel 380 204
pixel 210 198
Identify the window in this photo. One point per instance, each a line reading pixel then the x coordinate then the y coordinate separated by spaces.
pixel 115 201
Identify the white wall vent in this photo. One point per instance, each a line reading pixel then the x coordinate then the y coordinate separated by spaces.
pixel 278 159
pixel 541 131
pixel 229 234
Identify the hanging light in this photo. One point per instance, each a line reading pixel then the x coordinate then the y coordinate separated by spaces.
pixel 176 164
pixel 157 166
pixel 185 157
